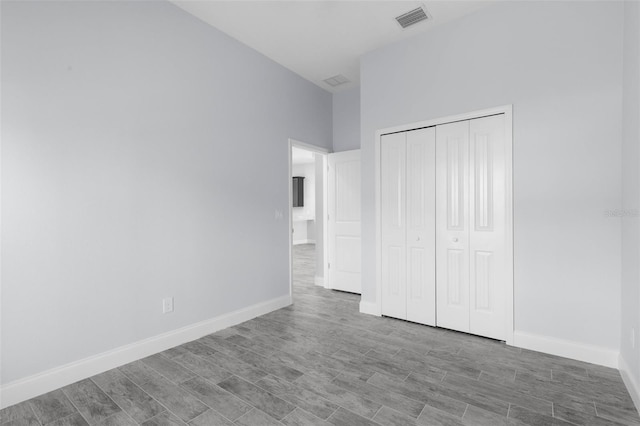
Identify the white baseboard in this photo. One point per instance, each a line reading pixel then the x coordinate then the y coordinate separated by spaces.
pixel 632 384
pixel 38 384
pixel 297 242
pixel 319 281
pixel 566 348
pixel 370 308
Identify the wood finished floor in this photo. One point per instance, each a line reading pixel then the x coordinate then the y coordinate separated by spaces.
pixel 320 362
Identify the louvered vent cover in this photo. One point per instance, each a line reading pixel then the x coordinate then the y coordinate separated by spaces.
pixel 336 80
pixel 412 17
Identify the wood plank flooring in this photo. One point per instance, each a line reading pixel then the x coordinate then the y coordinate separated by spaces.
pixel 320 362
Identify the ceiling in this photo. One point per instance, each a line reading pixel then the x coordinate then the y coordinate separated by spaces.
pixel 320 39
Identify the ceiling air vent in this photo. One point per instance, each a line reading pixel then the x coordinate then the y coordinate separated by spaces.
pixel 336 80
pixel 412 17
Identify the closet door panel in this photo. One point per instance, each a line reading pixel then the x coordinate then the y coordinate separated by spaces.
pixel 421 256
pixel 452 225
pixel 394 226
pixel 487 231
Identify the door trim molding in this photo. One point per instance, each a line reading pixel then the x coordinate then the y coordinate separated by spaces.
pixel 375 308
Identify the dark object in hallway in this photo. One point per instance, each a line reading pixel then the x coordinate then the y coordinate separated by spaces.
pixel 298 191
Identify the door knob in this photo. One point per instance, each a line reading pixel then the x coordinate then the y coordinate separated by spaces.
pixel 418 239
pixel 454 239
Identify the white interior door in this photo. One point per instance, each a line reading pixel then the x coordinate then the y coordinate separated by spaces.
pixel 393 154
pixel 487 242
pixel 452 225
pixel 407 173
pixel 445 244
pixel 343 194
pixel 471 226
pixel 421 226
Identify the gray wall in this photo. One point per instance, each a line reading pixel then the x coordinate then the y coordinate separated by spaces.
pixel 631 189
pixel 124 128
pixel 346 120
pixel 560 65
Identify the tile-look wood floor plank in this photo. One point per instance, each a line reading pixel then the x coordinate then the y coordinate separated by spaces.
pixel 420 393
pixel 321 362
pixel 340 396
pixel 168 368
pixel 119 419
pixel 52 406
pixel 389 417
pixel 74 419
pixel 486 402
pixel 19 414
pixel 176 399
pixel 256 417
pixel 581 417
pixel 532 418
pixel 433 416
pixel 217 398
pixel 133 400
pixel 627 415
pixel 302 398
pixel 94 405
pixel 227 362
pixel 202 367
pixel 475 416
pixel 344 417
pixel 390 399
pixel 268 364
pixel 274 406
pixel 299 417
pixel 164 419
pixel 210 418
pixel 499 392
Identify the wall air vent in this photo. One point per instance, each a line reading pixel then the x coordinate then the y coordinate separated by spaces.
pixel 336 80
pixel 412 17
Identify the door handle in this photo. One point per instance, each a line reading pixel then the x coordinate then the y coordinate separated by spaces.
pixel 454 239
pixel 417 238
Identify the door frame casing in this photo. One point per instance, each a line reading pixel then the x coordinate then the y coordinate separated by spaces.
pixel 318 150
pixel 507 110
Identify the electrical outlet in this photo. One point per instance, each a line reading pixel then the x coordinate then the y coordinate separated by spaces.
pixel 167 305
pixel 633 338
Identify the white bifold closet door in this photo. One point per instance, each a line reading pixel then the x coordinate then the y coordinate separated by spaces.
pixel 471 225
pixel 408 225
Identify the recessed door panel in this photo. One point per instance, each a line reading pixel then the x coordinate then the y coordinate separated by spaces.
pixel 393 225
pixel 487 234
pixel 452 225
pixel 421 256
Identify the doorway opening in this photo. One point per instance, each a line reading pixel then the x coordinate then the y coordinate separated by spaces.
pixel 307 218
